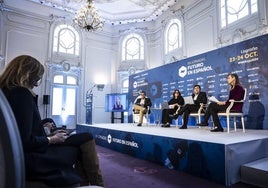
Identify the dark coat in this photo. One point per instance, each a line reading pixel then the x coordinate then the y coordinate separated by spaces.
pixel 51 163
pixel 201 98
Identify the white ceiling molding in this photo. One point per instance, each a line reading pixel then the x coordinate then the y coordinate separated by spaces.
pixel 115 12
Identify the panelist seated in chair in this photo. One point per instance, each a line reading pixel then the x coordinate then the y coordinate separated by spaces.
pixel 236 93
pixel 142 106
pixel 198 99
pixel 174 104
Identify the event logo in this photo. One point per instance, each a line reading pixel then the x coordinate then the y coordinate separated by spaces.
pixel 194 69
pixel 182 71
pixel 109 139
pixel 135 84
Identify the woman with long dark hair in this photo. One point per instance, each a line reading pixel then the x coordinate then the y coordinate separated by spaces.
pixel 236 93
pixel 174 103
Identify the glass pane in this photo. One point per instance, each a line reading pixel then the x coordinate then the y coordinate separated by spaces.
pixel 57 101
pixel 223 14
pixel 236 9
pixel 125 83
pixel 132 47
pixel 70 101
pixel 66 43
pixel 66 40
pixel 71 80
pixel 58 79
pixel 254 6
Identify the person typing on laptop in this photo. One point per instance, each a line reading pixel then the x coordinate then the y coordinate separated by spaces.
pixel 51 128
pixel 198 98
pixel 174 104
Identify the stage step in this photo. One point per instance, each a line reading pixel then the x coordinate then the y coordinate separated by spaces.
pixel 255 173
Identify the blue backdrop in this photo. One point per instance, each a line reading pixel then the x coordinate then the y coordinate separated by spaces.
pixel 248 59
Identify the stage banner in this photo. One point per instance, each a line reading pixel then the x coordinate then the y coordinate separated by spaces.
pixel 249 59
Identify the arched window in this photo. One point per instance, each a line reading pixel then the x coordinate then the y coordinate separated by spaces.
pixel 173 36
pixel 232 11
pixel 133 47
pixel 66 40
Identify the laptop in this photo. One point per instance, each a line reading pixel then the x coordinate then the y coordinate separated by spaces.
pixel 188 100
pixel 164 105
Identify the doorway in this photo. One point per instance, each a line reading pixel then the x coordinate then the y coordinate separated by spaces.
pixel 64 100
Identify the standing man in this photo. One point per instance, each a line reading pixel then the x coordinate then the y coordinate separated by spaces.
pixel 198 97
pixel 142 105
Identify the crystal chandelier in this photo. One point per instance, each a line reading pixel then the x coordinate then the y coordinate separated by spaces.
pixel 88 18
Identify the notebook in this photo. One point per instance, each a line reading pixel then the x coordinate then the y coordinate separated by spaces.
pixel 188 100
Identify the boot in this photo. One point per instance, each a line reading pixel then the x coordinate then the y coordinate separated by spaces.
pixel 90 163
pixel 81 171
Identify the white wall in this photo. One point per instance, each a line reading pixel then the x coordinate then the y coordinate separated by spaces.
pixel 23 32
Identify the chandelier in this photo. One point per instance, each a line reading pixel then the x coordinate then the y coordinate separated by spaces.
pixel 88 18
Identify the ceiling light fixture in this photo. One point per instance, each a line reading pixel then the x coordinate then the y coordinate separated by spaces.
pixel 88 18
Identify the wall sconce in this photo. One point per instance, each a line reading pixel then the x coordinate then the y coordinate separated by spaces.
pixel 100 87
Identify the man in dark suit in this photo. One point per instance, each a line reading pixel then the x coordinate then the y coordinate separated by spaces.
pixel 198 97
pixel 141 105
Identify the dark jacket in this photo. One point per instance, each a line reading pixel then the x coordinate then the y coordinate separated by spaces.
pixel 201 98
pixel 179 101
pixel 51 163
pixel 146 103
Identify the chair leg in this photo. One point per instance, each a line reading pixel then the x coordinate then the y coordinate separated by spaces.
pixel 234 123
pixel 199 119
pixel 228 124
pixel 243 124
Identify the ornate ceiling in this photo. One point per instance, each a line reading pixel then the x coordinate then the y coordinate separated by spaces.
pixel 115 11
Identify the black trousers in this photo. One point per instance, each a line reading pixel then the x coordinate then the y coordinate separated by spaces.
pixel 165 115
pixel 212 110
pixel 186 110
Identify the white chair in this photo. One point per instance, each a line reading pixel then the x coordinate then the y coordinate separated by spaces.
pixel 136 116
pixel 228 113
pixel 199 113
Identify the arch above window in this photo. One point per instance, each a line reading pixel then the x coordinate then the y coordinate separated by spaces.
pixel 66 40
pixel 133 47
pixel 173 35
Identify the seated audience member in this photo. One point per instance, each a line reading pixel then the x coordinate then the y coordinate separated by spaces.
pixel 141 105
pixel 54 156
pixel 174 103
pixel 51 128
pixel 198 98
pixel 236 93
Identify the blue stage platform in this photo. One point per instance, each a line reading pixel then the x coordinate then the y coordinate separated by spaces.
pixel 197 151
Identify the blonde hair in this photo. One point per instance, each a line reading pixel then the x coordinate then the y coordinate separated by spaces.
pixel 24 71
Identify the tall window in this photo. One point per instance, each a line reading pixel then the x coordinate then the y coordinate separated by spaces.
pixel 233 10
pixel 173 36
pixel 133 47
pixel 66 40
pixel 64 98
pixel 64 94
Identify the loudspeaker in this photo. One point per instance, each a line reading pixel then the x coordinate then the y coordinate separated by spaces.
pixel 46 99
